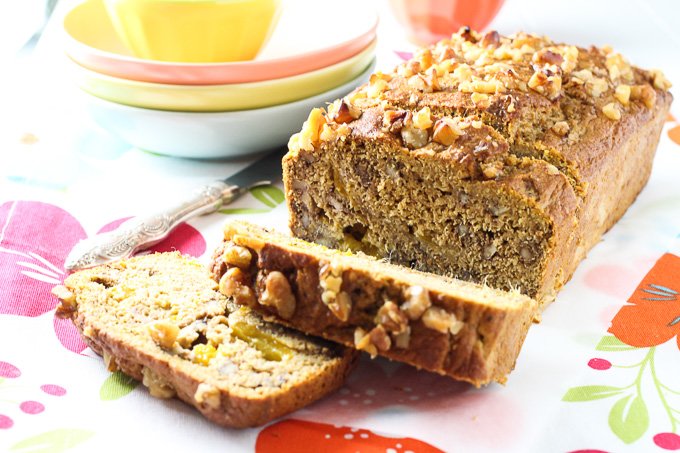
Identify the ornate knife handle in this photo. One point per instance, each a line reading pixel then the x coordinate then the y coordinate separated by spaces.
pixel 139 233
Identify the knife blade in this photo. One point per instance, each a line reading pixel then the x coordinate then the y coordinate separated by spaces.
pixel 142 232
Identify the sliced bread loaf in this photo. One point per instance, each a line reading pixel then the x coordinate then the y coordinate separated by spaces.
pixel 159 319
pixel 464 330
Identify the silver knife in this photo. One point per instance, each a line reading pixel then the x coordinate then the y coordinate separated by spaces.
pixel 142 232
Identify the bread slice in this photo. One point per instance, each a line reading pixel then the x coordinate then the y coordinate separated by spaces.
pixel 159 319
pixel 467 331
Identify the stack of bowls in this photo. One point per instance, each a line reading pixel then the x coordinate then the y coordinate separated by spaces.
pixel 217 108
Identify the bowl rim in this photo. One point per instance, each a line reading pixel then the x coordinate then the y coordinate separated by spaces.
pixel 251 65
pixel 370 49
pixel 317 99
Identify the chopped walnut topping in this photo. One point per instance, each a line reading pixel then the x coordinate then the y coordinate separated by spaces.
pixel 330 281
pixel 645 93
pixel 362 342
pixel 561 128
pixel 208 395
pixel 393 120
pixel 68 305
pixel 345 113
pixel 376 88
pixel 548 85
pixel 446 131
pixel 308 137
pixel 491 39
pixel 235 255
pixel 622 94
pixel 413 137
pixel 596 86
pixel 164 333
pixel 341 306
pixel 546 56
pixel 618 67
pixel 611 111
pixel 424 57
pixel 418 300
pixel 438 319
pixel 233 284
pixel 570 55
pixel 481 100
pixel 422 119
pixel 660 80
pixel 279 294
pixel 403 339
pixel 391 318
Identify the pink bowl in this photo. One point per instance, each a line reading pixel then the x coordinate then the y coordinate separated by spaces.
pixel 301 43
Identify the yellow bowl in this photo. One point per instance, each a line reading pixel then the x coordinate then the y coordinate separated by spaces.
pixel 216 98
pixel 196 31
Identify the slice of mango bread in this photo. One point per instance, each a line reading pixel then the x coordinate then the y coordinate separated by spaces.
pixel 160 319
pixel 464 330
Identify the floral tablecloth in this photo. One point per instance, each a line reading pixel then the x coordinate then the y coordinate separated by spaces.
pixel 601 372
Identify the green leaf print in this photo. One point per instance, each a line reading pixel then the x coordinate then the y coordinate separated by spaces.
pixel 612 344
pixel 117 386
pixel 269 195
pixel 56 441
pixel 629 419
pixel 590 392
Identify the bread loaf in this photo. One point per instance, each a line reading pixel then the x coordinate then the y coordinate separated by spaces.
pixel 487 158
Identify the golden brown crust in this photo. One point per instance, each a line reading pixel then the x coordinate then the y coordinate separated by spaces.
pixel 172 371
pixel 473 335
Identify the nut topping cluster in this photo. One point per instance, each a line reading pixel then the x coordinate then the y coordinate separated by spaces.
pixel 393 322
pixel 486 67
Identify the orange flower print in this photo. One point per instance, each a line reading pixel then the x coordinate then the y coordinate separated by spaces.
pixel 653 315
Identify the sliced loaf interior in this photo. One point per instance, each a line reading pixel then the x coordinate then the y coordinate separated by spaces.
pixel 465 330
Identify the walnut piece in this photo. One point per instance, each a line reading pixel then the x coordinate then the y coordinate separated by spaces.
pixel 438 319
pixel 611 111
pixel 341 307
pixel 208 395
pixel 345 113
pixel 158 387
pixel 391 318
pixel 68 305
pixel 235 255
pixel 561 128
pixel 645 93
pixel 422 119
pixel 413 137
pixel 622 94
pixel 446 131
pixel 279 294
pixel 418 300
pixel 233 284
pixel 362 342
pixel 163 332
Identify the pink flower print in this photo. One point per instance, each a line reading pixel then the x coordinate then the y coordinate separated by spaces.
pixel 35 238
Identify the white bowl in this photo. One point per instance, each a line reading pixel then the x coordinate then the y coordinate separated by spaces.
pixel 211 135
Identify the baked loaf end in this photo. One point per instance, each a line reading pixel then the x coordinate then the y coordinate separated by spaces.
pixel 460 329
pixel 159 319
pixel 485 157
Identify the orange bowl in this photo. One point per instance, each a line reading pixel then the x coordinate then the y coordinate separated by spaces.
pixel 429 21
